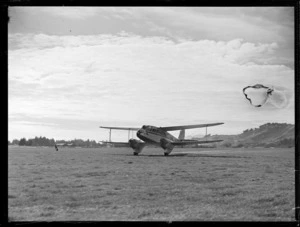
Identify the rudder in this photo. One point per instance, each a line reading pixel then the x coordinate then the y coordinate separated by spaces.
pixel 181 134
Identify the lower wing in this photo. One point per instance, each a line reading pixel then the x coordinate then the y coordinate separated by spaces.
pixel 125 144
pixel 188 142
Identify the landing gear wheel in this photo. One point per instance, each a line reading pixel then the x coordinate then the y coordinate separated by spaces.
pixel 166 154
pixel 136 154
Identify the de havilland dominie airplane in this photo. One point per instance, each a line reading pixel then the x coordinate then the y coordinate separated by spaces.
pixel 159 136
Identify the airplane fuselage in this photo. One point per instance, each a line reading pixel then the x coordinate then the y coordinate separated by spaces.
pixel 154 135
pixel 157 136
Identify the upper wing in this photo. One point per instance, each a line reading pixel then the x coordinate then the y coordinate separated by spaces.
pixel 121 128
pixel 172 128
pixel 178 143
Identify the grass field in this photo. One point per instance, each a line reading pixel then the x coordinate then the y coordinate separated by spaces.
pixel 112 184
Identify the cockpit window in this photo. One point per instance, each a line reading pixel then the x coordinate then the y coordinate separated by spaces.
pixel 153 129
pixel 150 128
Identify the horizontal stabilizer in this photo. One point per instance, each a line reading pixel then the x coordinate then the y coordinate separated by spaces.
pixel 173 128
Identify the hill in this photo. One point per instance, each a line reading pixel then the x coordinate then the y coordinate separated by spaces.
pixel 267 135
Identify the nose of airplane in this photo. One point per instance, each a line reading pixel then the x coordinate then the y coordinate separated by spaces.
pixel 139 132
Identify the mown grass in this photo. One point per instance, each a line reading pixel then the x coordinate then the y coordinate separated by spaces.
pixel 112 184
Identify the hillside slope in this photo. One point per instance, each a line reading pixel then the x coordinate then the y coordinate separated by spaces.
pixel 267 135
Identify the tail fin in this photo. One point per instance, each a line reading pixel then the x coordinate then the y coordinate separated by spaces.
pixel 181 134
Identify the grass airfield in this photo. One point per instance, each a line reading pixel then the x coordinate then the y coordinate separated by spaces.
pixel 111 184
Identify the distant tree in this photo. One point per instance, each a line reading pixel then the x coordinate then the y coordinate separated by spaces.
pixel 62 141
pixel 28 142
pixel 94 144
pixel 22 142
pixel 268 145
pixel 238 145
pixel 35 142
pixel 52 142
pixel 227 144
pixel 286 142
pixel 89 144
pixel 245 131
pixel 15 142
pixel 78 143
pixel 43 141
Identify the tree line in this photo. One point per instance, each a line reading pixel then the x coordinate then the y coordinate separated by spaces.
pixel 43 141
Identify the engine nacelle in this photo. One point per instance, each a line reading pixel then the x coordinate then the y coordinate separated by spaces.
pixel 136 146
pixel 133 143
pixel 166 145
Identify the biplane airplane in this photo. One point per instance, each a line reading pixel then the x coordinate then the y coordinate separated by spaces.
pixel 159 136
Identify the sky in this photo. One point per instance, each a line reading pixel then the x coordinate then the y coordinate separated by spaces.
pixel 73 69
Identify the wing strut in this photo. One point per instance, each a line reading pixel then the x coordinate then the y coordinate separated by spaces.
pixel 129 130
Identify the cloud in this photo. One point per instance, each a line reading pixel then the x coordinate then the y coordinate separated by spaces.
pixel 133 79
pixel 253 25
pixel 234 50
pixel 77 13
pixel 218 23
